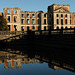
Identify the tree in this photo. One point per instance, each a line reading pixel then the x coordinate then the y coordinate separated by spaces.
pixel 3 24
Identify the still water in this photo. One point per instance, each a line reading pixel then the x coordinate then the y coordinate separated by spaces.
pixel 15 62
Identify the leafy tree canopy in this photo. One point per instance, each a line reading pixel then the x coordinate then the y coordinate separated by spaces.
pixel 3 24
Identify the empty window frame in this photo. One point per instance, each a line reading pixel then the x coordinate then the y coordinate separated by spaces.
pixel 22 28
pixel 9 27
pixel 15 11
pixel 22 15
pixel 61 21
pixel 61 15
pixel 65 21
pixel 27 15
pixel 33 21
pixel 28 28
pixel 15 18
pixel 22 21
pixel 8 11
pixel 27 21
pixel 44 21
pixel 66 27
pixel 57 15
pixel 65 15
pixel 44 15
pixel 57 27
pixel 44 27
pixel 15 27
pixel 57 21
pixel 33 27
pixel 33 15
pixel 8 18
pixel 38 15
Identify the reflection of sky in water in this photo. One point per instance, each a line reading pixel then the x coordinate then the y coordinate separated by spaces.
pixel 34 69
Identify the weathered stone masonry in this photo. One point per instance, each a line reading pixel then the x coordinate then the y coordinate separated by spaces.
pixel 60 16
pixel 57 16
pixel 25 20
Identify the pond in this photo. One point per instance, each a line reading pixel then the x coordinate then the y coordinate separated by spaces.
pixel 16 62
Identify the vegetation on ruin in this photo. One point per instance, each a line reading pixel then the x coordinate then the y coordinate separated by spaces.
pixel 3 24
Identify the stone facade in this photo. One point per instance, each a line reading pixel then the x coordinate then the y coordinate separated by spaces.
pixel 25 20
pixel 57 16
pixel 60 16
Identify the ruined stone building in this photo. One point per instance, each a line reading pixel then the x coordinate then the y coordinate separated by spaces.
pixel 57 16
pixel 25 20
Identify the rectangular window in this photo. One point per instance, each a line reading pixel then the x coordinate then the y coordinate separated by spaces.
pixel 8 18
pixel 27 28
pixel 27 21
pixel 57 15
pixel 22 15
pixel 44 27
pixel 22 28
pixel 27 15
pixel 44 15
pixel 38 15
pixel 66 15
pixel 15 11
pixel 57 21
pixel 66 21
pixel 33 15
pixel 8 11
pixel 15 27
pixel 33 27
pixel 44 21
pixel 22 21
pixel 33 21
pixel 15 18
pixel 9 27
pixel 70 21
pixel 61 21
pixel 61 15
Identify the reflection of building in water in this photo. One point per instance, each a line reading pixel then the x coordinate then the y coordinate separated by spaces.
pixel 54 64
pixel 17 63
pixel 11 60
pixel 14 60
pixel 12 63
pixel 54 67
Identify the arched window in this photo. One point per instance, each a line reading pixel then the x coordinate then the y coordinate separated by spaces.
pixel 66 27
pixel 57 27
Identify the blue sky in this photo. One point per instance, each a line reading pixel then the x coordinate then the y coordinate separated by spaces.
pixel 34 5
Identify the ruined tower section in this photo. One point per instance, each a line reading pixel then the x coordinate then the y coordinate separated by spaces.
pixel 12 15
pixel 50 17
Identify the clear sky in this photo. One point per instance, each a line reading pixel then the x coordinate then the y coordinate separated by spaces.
pixel 34 5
